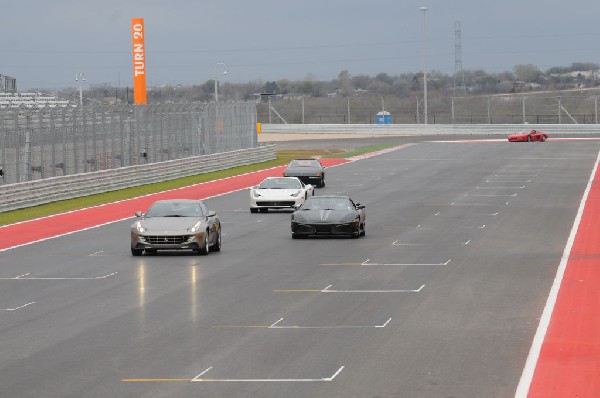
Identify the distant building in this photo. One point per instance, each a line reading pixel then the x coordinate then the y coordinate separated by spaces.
pixel 8 84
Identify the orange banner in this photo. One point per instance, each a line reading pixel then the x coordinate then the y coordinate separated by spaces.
pixel 139 61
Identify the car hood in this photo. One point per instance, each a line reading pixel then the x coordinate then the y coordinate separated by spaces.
pixel 325 216
pixel 169 224
pixel 275 193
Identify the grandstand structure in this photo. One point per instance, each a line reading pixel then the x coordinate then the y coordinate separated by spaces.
pixel 30 100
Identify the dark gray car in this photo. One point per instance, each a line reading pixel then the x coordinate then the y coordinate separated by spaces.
pixel 176 224
pixel 309 171
pixel 329 215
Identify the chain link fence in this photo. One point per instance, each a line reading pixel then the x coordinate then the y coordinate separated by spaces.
pixel 37 143
pixel 569 108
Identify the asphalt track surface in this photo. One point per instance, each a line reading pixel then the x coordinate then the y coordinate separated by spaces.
pixel 442 298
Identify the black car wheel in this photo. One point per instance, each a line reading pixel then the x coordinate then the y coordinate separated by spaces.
pixel 264 209
pixel 217 246
pixel 204 250
pixel 364 231
pixel 253 210
pixel 136 252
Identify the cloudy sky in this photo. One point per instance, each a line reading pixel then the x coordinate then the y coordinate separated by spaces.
pixel 46 42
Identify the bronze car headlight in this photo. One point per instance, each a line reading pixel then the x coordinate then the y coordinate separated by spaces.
pixel 139 227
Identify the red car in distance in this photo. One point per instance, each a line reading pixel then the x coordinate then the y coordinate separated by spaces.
pixel 533 135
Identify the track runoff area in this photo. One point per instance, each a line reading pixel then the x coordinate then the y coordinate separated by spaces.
pixel 564 359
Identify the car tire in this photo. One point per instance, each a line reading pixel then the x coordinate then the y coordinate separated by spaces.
pixel 264 209
pixel 151 252
pixel 253 210
pixel 204 250
pixel 543 139
pixel 136 252
pixel 364 230
pixel 217 246
pixel 322 182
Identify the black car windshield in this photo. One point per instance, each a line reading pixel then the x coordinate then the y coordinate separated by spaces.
pixel 323 203
pixel 305 163
pixel 280 183
pixel 175 209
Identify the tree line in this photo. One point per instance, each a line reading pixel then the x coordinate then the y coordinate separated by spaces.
pixel 524 78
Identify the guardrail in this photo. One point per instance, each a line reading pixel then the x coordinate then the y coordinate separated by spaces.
pixel 37 192
pixel 427 129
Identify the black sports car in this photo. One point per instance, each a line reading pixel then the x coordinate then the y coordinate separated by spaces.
pixel 310 171
pixel 329 215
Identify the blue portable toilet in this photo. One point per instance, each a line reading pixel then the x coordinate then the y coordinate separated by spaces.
pixel 383 117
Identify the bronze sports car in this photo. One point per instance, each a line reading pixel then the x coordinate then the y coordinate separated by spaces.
pixel 174 225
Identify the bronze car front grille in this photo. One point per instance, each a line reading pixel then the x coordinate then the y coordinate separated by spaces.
pixel 167 239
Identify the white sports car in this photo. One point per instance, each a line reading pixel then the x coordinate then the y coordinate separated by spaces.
pixel 279 193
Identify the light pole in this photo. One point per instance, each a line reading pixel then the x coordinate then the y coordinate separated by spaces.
pixel 424 9
pixel 559 107
pixel 221 64
pixel 80 78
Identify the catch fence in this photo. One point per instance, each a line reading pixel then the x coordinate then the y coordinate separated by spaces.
pixel 568 108
pixel 38 143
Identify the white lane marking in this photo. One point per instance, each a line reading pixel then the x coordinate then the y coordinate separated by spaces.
pixel 493 181
pixel 521 187
pixel 98 253
pixel 538 339
pixel 491 195
pixel 368 262
pixel 331 378
pixel 24 277
pixel 467 242
pixel 275 326
pixel 327 290
pixel 19 307
pixel 515 175
pixel 202 374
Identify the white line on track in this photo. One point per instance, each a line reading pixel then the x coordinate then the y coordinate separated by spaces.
pixel 26 277
pixel 19 307
pixel 331 378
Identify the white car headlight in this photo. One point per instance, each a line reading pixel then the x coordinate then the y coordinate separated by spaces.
pixel 139 227
pixel 295 193
pixel 196 227
pixel 256 193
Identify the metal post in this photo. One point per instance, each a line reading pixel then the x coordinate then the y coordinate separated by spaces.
pixel 453 122
pixel 217 79
pixel 424 9
pixel 488 110
pixel 302 111
pixel 270 110
pixel 80 78
pixel 559 107
pixel 596 110
pixel 418 121
pixel 348 110
pixel 524 119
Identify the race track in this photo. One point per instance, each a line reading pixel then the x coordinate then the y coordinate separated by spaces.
pixel 442 298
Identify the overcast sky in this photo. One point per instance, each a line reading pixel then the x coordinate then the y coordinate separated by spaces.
pixel 45 42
